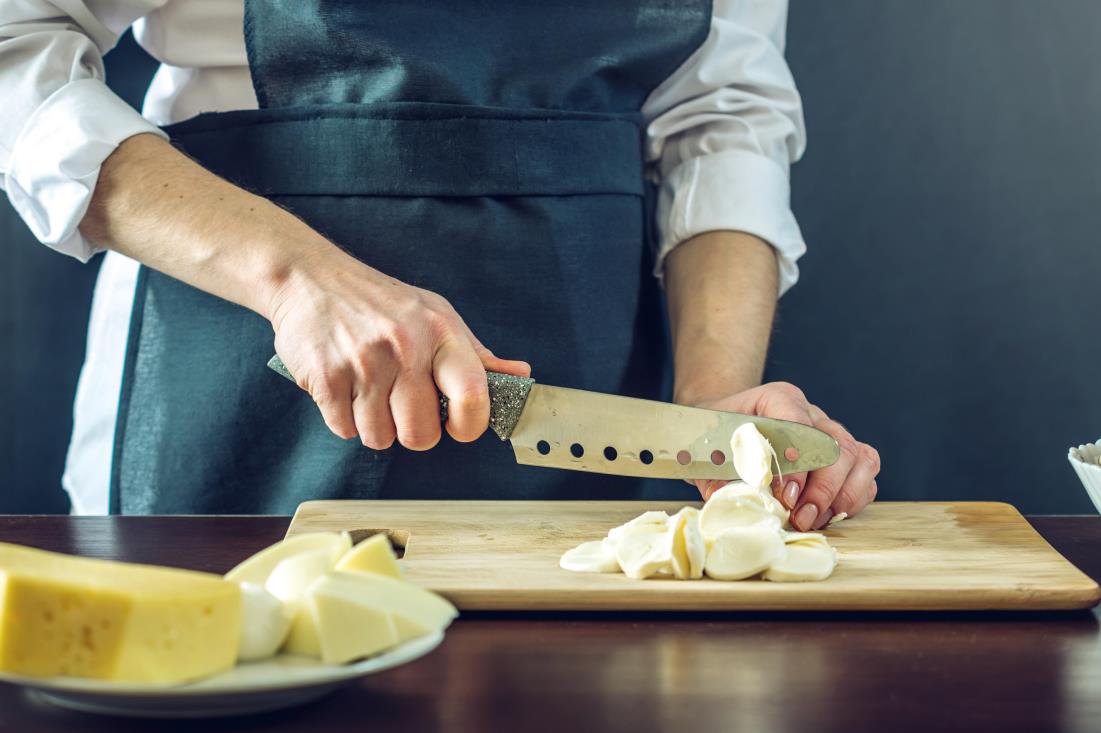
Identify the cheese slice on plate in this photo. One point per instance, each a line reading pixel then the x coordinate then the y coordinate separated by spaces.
pixel 256 568
pixel 72 616
pixel 372 555
pixel 360 614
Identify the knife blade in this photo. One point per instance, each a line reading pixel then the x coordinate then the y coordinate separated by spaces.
pixel 559 427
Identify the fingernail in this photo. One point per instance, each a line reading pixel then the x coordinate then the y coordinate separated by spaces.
pixel 804 518
pixel 791 494
pixel 792 454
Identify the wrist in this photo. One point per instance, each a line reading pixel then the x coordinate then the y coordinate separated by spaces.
pixel 290 268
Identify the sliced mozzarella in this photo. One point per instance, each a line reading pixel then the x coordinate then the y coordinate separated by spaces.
pixel 265 621
pixel 688 547
pixel 591 557
pixel 742 552
pixel 728 508
pixel 291 577
pixel 806 538
pixel 803 561
pixel 642 554
pixel 838 517
pixel 646 523
pixel 752 456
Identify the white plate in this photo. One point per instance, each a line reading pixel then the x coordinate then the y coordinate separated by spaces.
pixel 1084 459
pixel 252 687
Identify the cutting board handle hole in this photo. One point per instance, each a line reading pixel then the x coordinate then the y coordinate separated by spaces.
pixel 399 538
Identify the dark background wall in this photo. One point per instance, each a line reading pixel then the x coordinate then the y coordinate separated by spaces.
pixel 949 197
pixel 44 301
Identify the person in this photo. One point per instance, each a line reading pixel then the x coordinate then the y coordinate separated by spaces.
pixel 394 189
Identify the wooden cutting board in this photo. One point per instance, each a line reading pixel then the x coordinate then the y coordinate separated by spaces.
pixel 503 555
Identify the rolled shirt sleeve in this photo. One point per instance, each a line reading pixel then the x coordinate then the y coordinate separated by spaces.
pixel 60 120
pixel 722 132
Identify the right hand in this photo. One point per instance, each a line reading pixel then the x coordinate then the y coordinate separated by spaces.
pixel 372 350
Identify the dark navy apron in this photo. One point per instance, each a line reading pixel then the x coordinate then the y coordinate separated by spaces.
pixel 489 151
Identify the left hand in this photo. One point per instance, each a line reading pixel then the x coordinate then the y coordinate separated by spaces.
pixel 847 486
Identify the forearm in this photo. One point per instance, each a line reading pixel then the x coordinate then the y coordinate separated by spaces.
pixel 155 205
pixel 721 294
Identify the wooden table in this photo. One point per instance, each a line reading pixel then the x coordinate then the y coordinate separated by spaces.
pixel 581 672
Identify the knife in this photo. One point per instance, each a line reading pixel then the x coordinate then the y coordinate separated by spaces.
pixel 559 427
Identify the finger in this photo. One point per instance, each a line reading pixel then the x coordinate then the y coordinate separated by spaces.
pixel 784 401
pixel 707 487
pixel 858 489
pixel 415 407
pixel 494 363
pixel 333 395
pixel 824 484
pixel 459 374
pixel 374 423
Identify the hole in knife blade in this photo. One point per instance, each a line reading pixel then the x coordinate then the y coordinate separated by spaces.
pixel 684 457
pixel 577 450
pixel 718 457
pixel 610 453
pixel 646 457
pixel 543 447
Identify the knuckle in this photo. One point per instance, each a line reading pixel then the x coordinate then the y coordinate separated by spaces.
pixel 849 447
pixel 845 500
pixel 871 455
pixel 418 437
pixel 791 390
pixel 471 398
pixel 440 323
pixel 401 342
pixel 377 441
pixel 822 492
pixel 326 387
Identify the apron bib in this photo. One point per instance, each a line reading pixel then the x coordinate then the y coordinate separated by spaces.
pixel 490 152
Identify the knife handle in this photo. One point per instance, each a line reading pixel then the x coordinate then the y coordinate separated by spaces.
pixel 507 395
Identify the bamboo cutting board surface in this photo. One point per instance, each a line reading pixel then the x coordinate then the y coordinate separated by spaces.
pixel 503 555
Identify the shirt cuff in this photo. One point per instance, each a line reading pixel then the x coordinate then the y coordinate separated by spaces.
pixel 734 190
pixel 57 156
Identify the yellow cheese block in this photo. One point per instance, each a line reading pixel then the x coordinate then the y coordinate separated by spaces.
pixel 372 555
pixel 71 616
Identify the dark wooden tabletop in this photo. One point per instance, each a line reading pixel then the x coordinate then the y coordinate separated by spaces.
pixel 580 672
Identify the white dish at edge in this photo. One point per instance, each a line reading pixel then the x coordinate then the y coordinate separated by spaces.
pixel 1084 460
pixel 250 687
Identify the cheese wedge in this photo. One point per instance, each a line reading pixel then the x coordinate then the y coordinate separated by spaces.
pixel 79 617
pixel 372 555
pixel 257 568
pixel 360 614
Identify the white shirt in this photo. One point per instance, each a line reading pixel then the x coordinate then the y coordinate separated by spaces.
pixel 721 133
